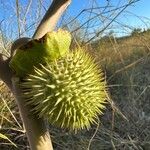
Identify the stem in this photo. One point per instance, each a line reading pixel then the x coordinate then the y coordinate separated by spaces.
pixel 18 17
pixel 5 72
pixel 51 17
pixel 36 129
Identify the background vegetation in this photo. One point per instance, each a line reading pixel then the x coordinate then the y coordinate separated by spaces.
pixel 125 124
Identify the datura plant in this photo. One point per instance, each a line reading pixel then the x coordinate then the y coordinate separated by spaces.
pixel 68 90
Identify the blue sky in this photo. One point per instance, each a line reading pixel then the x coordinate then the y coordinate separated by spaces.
pixel 140 8
pixel 135 16
pixel 128 18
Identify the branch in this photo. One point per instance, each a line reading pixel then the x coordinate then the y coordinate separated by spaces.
pixel 51 17
pixel 36 129
pixel 5 72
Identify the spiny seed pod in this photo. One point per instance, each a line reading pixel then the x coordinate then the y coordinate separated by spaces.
pixel 70 92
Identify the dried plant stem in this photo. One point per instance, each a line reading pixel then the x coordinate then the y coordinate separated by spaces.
pixel 36 129
pixel 51 17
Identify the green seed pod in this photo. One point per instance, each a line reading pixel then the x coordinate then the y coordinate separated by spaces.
pixel 70 92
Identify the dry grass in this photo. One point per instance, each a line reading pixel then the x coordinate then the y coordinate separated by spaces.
pixel 127 67
pixel 126 122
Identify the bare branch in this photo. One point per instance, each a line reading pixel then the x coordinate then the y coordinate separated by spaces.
pixel 51 17
pixel 36 128
pixel 5 72
pixel 123 8
pixel 18 17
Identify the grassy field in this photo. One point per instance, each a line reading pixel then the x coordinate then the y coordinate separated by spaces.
pixel 125 124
